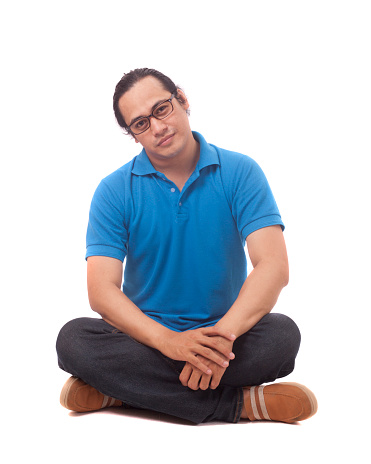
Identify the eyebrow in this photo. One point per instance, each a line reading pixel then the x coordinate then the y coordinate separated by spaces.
pixel 153 107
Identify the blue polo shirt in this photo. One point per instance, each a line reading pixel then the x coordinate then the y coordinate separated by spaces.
pixel 185 258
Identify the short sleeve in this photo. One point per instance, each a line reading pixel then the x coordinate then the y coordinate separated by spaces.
pixel 106 234
pixel 253 204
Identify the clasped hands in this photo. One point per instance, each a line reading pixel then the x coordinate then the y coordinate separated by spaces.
pixel 207 352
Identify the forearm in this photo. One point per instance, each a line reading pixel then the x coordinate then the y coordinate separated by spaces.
pixel 257 297
pixel 118 310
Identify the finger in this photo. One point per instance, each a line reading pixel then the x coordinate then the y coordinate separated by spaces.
pixel 208 381
pixel 222 346
pixel 193 382
pixel 196 363
pixel 214 357
pixel 219 331
pixel 185 374
pixel 215 381
pixel 216 344
pixel 204 382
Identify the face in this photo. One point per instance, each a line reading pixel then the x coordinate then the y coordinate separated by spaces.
pixel 165 138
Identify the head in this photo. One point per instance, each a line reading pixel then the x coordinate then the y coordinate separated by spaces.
pixel 129 80
pixel 145 95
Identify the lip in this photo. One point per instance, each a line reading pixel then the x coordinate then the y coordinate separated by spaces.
pixel 165 140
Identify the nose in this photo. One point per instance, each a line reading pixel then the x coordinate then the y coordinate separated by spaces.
pixel 158 126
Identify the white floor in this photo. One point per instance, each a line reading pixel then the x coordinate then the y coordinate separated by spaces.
pixel 38 429
pixel 332 362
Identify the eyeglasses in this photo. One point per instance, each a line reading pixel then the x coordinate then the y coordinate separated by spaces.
pixel 161 111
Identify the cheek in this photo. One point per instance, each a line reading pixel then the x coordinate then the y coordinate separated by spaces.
pixel 181 122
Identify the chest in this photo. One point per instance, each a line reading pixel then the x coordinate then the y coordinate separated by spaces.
pixel 162 213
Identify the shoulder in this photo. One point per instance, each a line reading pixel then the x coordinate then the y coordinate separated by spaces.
pixel 113 191
pixel 117 178
pixel 230 162
pixel 233 159
pixel 116 183
pixel 237 167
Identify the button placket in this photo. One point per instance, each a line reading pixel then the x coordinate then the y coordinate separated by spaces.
pixel 180 214
pixel 163 182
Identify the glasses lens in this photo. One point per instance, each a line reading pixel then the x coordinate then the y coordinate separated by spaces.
pixel 163 110
pixel 140 126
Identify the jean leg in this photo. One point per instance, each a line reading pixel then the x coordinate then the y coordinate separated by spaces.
pixel 140 376
pixel 265 353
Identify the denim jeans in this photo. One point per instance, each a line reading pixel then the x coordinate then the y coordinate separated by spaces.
pixel 142 377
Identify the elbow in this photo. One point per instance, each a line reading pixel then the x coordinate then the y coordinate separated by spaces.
pixel 96 309
pixel 102 297
pixel 285 274
pixel 94 305
pixel 95 301
pixel 281 272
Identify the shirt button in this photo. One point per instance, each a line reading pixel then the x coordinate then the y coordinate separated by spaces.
pixel 172 189
pixel 180 203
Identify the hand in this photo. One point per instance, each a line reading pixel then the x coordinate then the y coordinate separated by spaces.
pixel 195 379
pixel 195 346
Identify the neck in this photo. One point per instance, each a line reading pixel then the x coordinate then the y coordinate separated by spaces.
pixel 181 164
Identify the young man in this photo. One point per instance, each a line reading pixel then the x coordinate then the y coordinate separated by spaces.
pixel 189 334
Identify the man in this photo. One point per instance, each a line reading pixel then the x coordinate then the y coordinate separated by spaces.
pixel 189 334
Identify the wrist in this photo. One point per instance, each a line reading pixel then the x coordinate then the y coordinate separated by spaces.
pixel 229 325
pixel 161 339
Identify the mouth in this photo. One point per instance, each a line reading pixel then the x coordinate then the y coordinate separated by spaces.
pixel 165 140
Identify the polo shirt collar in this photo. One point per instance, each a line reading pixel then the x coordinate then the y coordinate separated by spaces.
pixel 208 157
pixel 143 165
pixel 208 154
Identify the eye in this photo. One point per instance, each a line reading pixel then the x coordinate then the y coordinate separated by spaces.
pixel 140 124
pixel 162 110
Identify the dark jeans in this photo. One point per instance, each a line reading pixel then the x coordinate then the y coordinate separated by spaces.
pixel 140 376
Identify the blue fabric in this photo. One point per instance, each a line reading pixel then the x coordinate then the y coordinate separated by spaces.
pixel 185 259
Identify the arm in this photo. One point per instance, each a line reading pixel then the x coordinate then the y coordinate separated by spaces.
pixel 107 299
pixel 257 297
pixel 260 292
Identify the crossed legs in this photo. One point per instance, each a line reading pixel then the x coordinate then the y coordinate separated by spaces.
pixel 120 367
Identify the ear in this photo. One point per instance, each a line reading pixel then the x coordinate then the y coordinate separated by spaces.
pixel 182 99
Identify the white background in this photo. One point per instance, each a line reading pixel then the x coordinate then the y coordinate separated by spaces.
pixel 286 82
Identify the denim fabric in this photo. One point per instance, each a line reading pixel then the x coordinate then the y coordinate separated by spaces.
pixel 142 377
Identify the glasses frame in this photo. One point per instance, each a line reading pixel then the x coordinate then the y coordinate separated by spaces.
pixel 152 115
